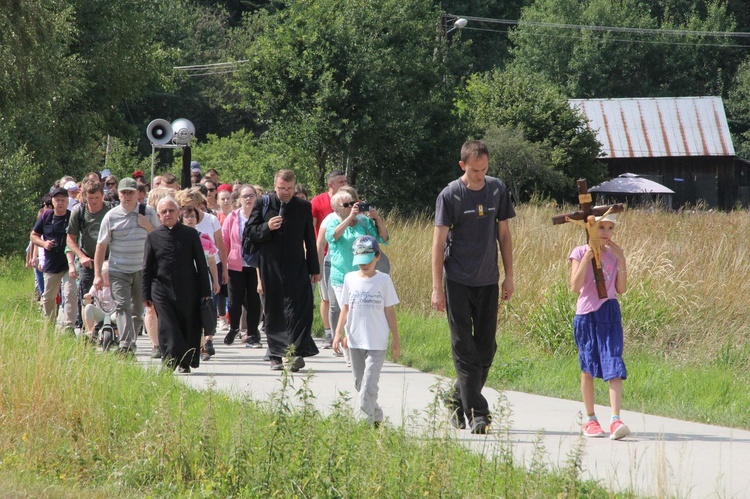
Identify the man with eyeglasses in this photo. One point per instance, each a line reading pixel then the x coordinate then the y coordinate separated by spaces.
pixel 285 238
pixel 124 230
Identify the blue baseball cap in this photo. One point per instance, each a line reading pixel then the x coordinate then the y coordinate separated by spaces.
pixel 365 248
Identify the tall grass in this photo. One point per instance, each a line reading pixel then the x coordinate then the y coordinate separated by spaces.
pixel 686 319
pixel 78 423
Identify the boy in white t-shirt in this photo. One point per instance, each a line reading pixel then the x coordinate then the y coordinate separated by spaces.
pixel 367 313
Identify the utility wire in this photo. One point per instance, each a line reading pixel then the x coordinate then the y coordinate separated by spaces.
pixel 625 40
pixel 585 27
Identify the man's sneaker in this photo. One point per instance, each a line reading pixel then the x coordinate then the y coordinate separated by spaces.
pixel 592 429
pixel 231 335
pixel 480 426
pixel 276 365
pixel 327 342
pixel 183 370
pixel 210 347
pixel 618 430
pixel 156 352
pixel 205 355
pixel 297 364
pixel 457 420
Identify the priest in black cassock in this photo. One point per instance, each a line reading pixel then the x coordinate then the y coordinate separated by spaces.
pixel 285 238
pixel 175 280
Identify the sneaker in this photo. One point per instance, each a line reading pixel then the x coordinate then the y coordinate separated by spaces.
pixel 156 352
pixel 297 364
pixel 618 430
pixel 327 343
pixel 592 429
pixel 126 352
pixel 338 354
pixel 183 370
pixel 244 338
pixel 276 365
pixel 231 335
pixel 210 347
pixel 205 355
pixel 480 426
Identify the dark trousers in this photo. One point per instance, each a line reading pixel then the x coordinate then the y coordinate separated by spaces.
pixel 85 281
pixel 243 290
pixel 472 318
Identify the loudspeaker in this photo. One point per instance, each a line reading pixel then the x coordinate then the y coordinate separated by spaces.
pixel 159 132
pixel 184 131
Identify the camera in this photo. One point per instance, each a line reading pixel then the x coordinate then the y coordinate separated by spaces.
pixel 364 206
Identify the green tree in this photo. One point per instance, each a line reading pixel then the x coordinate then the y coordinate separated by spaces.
pixel 523 165
pixel 527 103
pixel 356 85
pixel 589 63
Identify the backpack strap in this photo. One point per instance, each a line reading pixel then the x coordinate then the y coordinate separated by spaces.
pixel 81 217
pixel 454 188
pixel 266 201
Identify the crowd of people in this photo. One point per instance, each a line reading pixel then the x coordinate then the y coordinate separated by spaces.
pixel 183 263
pixel 156 259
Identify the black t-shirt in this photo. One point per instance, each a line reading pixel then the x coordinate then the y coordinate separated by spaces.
pixel 54 228
pixel 472 259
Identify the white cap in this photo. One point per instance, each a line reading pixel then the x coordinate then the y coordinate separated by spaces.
pixel 70 186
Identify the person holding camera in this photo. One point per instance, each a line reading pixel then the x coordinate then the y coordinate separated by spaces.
pixel 353 220
pixel 49 233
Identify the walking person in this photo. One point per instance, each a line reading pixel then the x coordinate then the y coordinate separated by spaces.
pixel 597 326
pixel 123 231
pixel 50 234
pixel 471 221
pixel 243 275
pixel 83 232
pixel 285 238
pixel 368 301
pixel 175 281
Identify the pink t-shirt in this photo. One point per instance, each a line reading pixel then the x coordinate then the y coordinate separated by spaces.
pixel 588 300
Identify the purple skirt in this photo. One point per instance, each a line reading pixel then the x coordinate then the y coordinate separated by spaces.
pixel 598 336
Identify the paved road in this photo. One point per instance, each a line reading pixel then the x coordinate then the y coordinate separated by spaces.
pixel 662 457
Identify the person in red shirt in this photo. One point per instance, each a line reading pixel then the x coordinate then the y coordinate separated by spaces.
pixel 321 208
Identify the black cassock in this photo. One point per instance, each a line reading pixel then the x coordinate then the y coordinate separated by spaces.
pixel 287 260
pixel 175 277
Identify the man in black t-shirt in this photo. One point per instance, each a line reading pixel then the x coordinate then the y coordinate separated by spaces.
pixel 471 220
pixel 49 233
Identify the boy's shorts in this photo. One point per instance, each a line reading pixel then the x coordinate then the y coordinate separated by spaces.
pixel 599 338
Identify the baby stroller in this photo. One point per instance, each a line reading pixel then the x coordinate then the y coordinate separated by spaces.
pixel 107 332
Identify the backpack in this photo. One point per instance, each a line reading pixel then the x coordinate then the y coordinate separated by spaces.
pixel 250 253
pixel 454 189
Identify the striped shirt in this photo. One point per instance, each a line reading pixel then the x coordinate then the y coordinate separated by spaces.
pixel 126 239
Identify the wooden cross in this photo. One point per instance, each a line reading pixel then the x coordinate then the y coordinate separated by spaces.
pixel 586 216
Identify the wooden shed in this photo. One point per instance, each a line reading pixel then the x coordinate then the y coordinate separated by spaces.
pixel 682 142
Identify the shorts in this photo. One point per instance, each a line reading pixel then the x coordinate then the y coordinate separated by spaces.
pixel 599 338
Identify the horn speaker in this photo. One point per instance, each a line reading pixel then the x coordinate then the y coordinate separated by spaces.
pixel 159 132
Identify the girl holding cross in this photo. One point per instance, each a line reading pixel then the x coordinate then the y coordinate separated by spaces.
pixel 597 327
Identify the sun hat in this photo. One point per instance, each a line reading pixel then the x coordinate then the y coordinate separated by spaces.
pixel 611 217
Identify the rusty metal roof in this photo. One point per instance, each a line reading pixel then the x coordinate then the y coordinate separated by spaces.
pixel 659 127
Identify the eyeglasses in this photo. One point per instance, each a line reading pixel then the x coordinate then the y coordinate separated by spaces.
pixel 110 184
pixel 248 196
pixel 169 210
pixel 211 190
pixel 348 205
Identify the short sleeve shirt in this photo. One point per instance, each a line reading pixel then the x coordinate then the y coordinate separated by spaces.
pixel 473 253
pixel 588 299
pixel 91 223
pixel 126 239
pixel 53 228
pixel 321 208
pixel 209 226
pixel 367 297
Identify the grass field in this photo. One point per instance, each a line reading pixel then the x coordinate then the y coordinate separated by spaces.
pixel 81 424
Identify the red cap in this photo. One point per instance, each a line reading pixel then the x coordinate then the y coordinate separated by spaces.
pixel 138 173
pixel 224 187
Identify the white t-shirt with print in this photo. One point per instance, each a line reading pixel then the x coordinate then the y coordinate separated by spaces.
pixel 366 324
